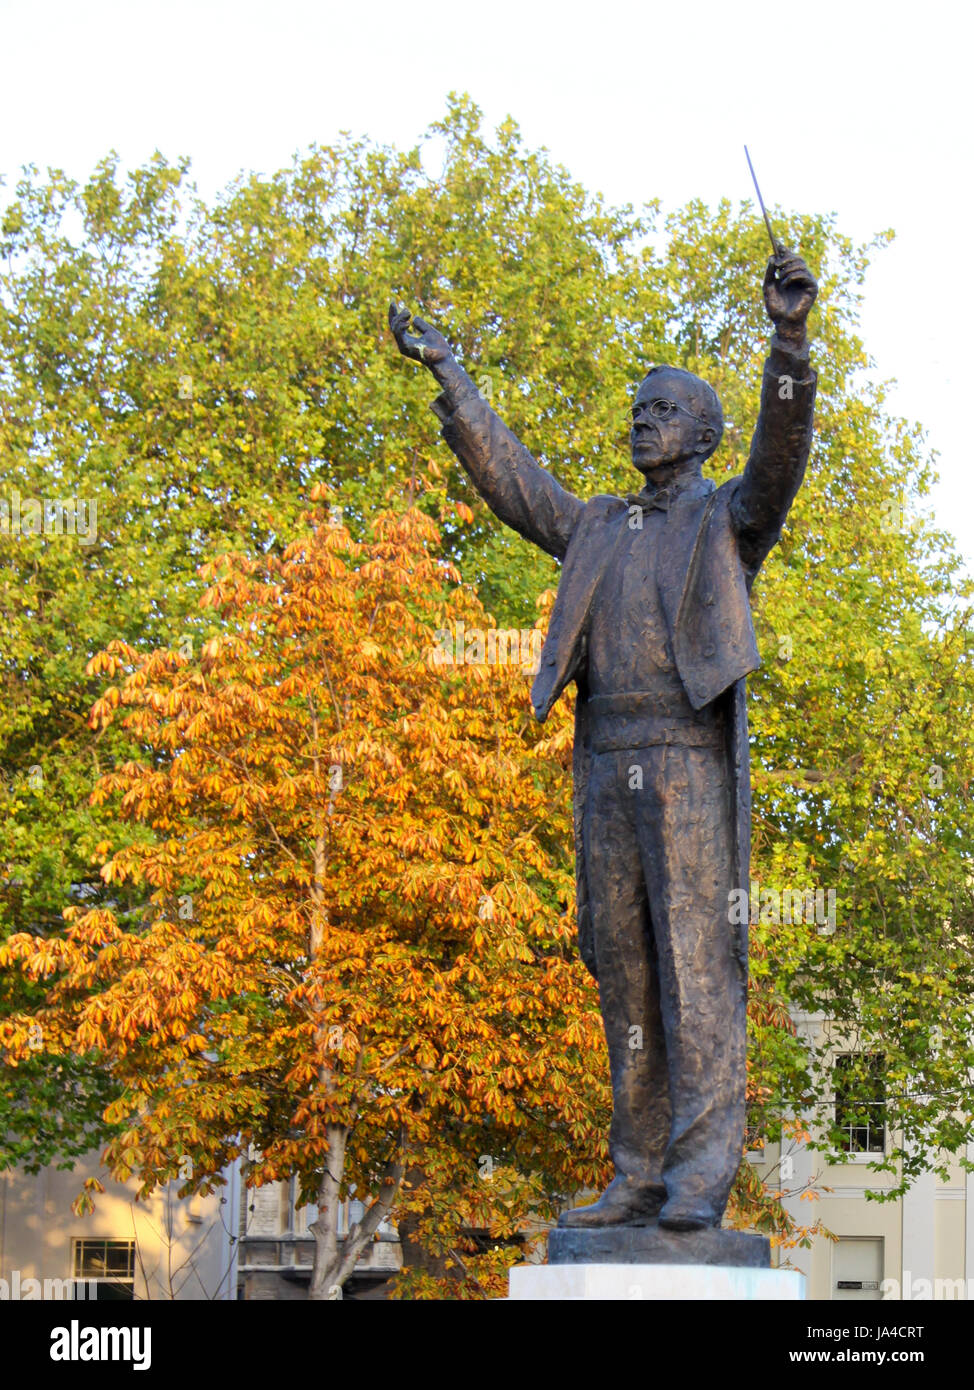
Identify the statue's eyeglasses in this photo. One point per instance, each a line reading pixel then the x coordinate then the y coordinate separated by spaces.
pixel 663 410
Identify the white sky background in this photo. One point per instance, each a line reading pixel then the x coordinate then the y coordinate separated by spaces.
pixel 859 108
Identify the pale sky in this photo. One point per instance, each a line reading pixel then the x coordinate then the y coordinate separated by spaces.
pixel 862 109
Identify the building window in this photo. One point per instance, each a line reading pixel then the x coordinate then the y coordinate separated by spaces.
pixel 299 1218
pixel 860 1102
pixel 108 1266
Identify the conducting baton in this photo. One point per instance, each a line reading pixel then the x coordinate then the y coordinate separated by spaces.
pixel 775 246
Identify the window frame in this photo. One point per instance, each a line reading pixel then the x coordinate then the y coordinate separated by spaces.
pixel 865 1154
pixel 115 1280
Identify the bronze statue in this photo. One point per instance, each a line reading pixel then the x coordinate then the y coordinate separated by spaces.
pixel 652 621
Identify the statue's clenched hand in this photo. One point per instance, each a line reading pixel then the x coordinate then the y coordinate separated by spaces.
pixel 789 292
pixel 430 347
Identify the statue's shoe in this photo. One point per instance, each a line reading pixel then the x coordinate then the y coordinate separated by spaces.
pixel 623 1203
pixel 675 1217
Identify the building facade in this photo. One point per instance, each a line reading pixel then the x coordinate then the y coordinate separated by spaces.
pixel 163 1248
pixel 277 1248
pixel 919 1246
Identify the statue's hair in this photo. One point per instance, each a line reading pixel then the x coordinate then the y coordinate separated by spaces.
pixel 697 395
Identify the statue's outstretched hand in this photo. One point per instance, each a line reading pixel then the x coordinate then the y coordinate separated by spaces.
pixel 430 347
pixel 789 293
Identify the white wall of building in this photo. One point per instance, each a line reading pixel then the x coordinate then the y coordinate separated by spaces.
pixel 183 1248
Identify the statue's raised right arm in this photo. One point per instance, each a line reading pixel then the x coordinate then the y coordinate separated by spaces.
pixel 783 434
pixel 512 483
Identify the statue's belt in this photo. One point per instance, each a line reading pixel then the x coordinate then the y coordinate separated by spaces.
pixel 646 719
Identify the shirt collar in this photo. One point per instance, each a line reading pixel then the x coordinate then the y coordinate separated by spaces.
pixel 686 487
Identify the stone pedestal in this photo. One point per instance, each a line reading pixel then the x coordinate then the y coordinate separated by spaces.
pixel 653 1245
pixel 648 1262
pixel 658 1282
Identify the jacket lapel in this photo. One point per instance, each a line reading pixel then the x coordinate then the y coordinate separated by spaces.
pixel 713 636
pixel 673 561
pixel 594 540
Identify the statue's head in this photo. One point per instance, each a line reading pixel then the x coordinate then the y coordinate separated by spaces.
pixel 676 423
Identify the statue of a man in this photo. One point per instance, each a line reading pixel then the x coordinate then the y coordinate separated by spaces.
pixel 652 621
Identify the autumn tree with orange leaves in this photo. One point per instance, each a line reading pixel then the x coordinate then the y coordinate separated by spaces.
pixel 359 961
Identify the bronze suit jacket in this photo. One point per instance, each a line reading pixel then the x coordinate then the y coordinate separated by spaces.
pixel 715 545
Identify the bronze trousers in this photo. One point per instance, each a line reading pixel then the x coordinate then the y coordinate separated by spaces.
pixel 658 838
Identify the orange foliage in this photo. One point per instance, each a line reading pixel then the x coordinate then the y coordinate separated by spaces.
pixel 361 941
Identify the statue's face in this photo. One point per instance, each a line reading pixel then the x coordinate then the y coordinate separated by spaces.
pixel 667 432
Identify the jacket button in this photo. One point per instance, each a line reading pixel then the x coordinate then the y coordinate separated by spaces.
pixel 708 651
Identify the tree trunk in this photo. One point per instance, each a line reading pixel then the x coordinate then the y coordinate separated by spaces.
pixel 334 1262
pixel 325 1281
